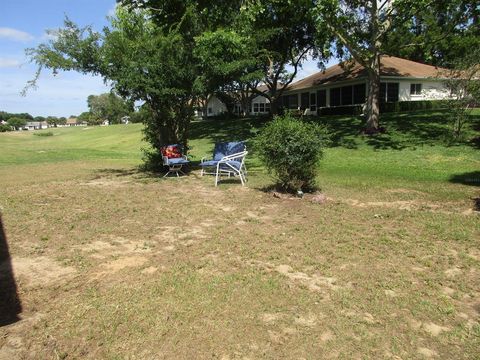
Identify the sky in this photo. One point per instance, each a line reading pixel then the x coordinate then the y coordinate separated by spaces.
pixel 23 24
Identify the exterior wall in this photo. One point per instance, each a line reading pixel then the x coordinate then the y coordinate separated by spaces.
pixel 258 109
pixel 215 107
pixel 431 90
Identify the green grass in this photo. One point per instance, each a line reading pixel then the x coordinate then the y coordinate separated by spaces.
pixel 113 263
pixel 75 143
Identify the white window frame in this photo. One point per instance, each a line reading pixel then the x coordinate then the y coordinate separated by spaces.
pixel 417 89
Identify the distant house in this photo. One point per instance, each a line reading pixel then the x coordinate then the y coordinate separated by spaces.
pixel 36 125
pixel 75 122
pixel 71 122
pixel 105 123
pixel 259 105
pixel 345 85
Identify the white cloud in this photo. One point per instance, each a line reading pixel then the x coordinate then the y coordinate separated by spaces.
pixel 9 63
pixel 112 10
pixel 15 35
pixel 50 35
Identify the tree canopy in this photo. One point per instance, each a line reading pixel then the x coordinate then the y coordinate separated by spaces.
pixel 171 55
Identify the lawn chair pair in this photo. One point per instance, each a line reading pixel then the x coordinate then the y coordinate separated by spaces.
pixel 228 159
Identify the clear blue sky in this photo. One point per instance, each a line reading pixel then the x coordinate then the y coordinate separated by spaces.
pixel 23 24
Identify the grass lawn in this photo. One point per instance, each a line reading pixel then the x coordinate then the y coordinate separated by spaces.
pixel 113 263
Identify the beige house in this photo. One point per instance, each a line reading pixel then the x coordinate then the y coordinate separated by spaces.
pixel 345 85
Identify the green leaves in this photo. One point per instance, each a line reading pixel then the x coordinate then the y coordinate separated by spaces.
pixel 291 150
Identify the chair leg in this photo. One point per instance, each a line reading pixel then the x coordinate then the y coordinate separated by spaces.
pixel 241 178
pixel 216 176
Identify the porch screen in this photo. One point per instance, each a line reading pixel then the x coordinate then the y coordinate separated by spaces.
pixel 322 98
pixel 305 101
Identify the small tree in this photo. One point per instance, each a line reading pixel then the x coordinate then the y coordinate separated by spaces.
pixel 464 84
pixel 291 150
pixel 16 122
pixel 53 121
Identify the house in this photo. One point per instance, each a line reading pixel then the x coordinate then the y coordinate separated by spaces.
pixel 35 125
pixel 73 121
pixel 344 85
pixel 259 105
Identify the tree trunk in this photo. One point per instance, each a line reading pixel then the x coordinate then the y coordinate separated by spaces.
pixel 373 108
pixel 274 106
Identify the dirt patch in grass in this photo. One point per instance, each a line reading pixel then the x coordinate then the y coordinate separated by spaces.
pixel 40 271
pixel 177 268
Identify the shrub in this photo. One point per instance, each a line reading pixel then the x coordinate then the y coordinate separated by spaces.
pixel 291 150
pixel 47 133
pixel 5 128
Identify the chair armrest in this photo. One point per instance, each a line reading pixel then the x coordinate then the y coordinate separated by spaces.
pixel 185 157
pixel 165 160
pixel 234 156
pixel 203 159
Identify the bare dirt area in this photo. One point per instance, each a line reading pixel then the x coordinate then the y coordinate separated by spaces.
pixel 110 267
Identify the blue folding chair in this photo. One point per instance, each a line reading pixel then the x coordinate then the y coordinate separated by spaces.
pixel 228 159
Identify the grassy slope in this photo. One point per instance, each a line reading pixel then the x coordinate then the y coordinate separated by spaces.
pixel 75 143
pixel 177 269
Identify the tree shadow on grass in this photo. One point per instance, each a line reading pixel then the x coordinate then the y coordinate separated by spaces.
pixel 10 305
pixel 470 178
pixel 403 130
pixel 222 130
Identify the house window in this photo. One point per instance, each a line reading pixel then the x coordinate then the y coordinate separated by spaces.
pixel 313 102
pixel 335 97
pixel 392 92
pixel 293 101
pixel 305 101
pixel 389 92
pixel 347 96
pixel 210 110
pixel 359 94
pixel 267 107
pixel 415 89
pixel 322 98
pixel 284 101
pixel 255 108
pixel 262 107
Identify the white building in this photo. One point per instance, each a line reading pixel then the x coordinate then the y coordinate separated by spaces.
pixel 400 80
pixel 35 125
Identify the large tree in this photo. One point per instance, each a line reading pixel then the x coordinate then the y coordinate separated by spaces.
pixel 438 32
pixel 146 55
pixel 229 68
pixel 360 28
pixel 283 35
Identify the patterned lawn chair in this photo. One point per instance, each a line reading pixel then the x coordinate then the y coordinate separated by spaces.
pixel 174 158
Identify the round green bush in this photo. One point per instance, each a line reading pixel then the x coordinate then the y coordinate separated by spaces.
pixel 291 150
